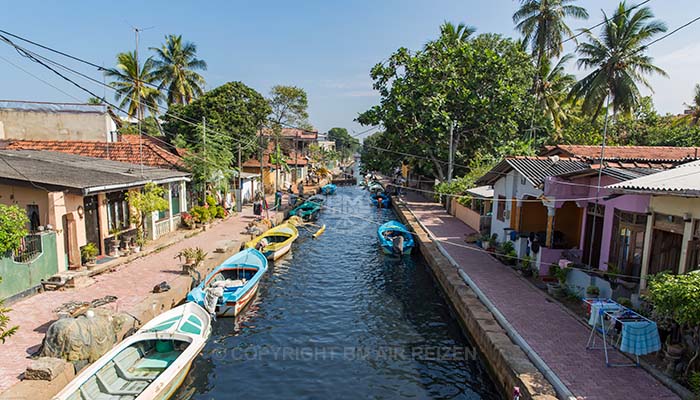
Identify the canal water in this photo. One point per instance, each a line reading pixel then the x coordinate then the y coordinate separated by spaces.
pixel 336 319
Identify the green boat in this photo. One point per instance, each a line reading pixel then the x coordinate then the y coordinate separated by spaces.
pixel 307 211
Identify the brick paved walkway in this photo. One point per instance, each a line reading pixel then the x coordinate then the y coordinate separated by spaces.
pixel 130 283
pixel 552 333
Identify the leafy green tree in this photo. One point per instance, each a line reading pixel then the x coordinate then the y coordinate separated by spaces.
pixel 13 227
pixel 373 155
pixel 541 22
pixel 480 85
pixel 146 202
pixel 288 106
pixel 132 84
pixel 551 91
pixel 175 66
pixel 618 60
pixel 234 115
pixel 345 144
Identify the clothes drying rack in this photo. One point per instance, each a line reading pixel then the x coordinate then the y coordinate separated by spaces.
pixel 608 318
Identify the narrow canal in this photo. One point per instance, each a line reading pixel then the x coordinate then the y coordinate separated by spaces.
pixel 336 319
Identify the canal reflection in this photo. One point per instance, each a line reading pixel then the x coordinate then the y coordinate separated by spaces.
pixel 338 319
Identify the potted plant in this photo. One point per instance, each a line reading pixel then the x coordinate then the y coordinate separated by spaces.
pixel 552 287
pixel 139 242
pixel 484 241
pixel 114 241
pixel 561 274
pixel 492 243
pixel 592 292
pixel 193 256
pixel 507 253
pixel 89 254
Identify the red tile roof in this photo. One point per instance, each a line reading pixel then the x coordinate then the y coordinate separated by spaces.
pixel 128 150
pixel 642 154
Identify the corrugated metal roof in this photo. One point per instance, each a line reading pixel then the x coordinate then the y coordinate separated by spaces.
pixel 683 180
pixel 53 107
pixel 534 169
pixel 485 191
pixel 83 174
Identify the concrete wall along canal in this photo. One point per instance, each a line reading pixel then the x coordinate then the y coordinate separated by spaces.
pixel 508 362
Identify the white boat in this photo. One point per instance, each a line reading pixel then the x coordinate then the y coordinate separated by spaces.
pixel 150 364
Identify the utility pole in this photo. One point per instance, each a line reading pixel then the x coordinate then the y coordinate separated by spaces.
pixel 139 107
pixel 204 134
pixel 239 198
pixel 450 164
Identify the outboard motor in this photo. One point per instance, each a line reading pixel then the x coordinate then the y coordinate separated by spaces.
pixel 397 244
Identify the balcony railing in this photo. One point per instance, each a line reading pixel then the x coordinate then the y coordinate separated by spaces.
pixel 29 249
pixel 162 227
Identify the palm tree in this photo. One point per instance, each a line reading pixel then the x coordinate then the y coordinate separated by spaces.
pixel 541 22
pixel 552 88
pixel 692 114
pixel 134 85
pixel 459 33
pixel 618 60
pixel 175 65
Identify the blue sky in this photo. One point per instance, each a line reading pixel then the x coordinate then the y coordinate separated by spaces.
pixel 326 47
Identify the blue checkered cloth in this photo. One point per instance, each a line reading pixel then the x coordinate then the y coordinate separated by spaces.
pixel 640 337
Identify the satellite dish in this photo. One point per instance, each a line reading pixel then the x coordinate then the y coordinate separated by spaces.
pixel 554 159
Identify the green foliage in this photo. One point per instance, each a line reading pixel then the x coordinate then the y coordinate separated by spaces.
pixel 374 158
pixel 211 201
pixel 220 212
pixel 234 113
pixel 201 214
pixel 618 60
pixel 288 105
pixel 676 296
pixel 145 202
pixel 134 96
pixel 5 332
pixel 13 227
pixel 593 290
pixel 345 144
pixel 175 65
pixel 481 85
pixel 507 246
pixel 149 126
pixel 694 382
pixel 542 24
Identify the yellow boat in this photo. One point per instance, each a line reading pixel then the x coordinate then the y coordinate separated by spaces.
pixel 275 242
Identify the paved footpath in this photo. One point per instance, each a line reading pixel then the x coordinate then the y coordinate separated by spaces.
pixel 556 336
pixel 130 283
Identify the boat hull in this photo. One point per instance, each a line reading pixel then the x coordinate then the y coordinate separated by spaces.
pixel 390 251
pixel 233 308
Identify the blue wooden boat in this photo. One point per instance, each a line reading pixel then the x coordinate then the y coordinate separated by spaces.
pixel 231 285
pixel 328 189
pixel 395 238
pixel 380 200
